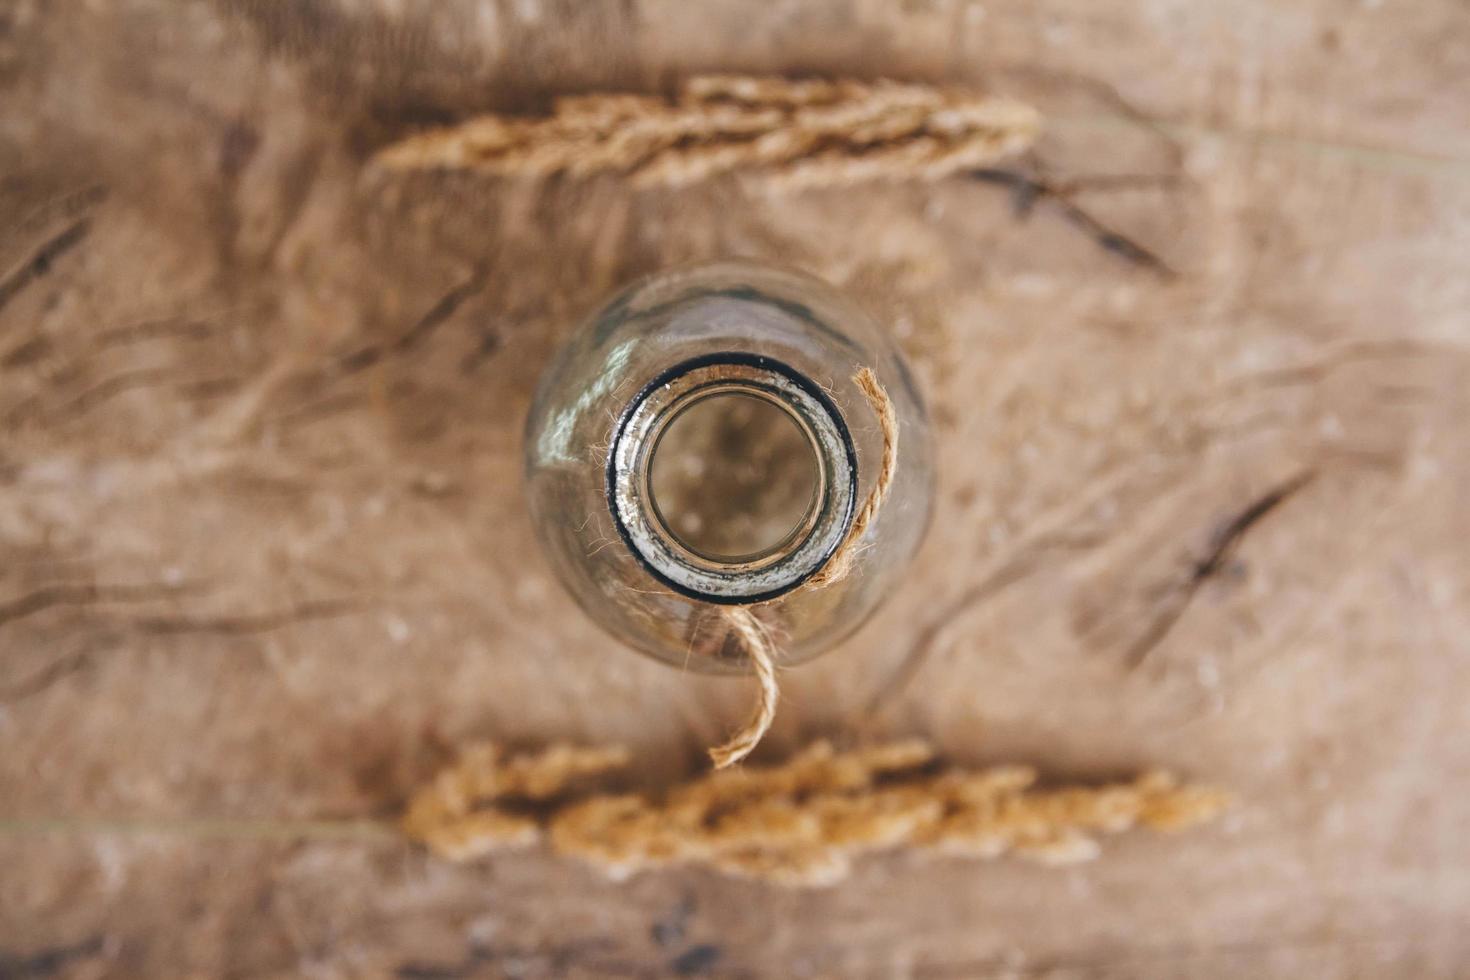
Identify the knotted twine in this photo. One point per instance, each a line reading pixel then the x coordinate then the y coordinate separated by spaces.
pixel 760 647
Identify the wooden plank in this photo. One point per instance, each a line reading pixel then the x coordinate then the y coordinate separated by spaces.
pixel 257 573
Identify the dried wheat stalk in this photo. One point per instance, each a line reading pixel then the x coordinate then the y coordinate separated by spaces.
pixel 798 133
pixel 797 824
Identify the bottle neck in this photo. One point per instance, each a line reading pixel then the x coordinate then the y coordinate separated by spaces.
pixel 737 429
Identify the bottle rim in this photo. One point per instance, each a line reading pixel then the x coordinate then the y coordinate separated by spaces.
pixel 746 579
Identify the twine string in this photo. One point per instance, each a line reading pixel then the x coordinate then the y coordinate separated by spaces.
pixel 841 563
pixel 760 647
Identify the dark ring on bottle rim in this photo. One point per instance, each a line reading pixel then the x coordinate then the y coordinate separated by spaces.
pixel 739 582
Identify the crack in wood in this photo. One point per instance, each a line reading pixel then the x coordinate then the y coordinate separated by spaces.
pixel 1014 570
pixel 48 675
pixel 138 379
pixel 1027 191
pixel 444 308
pixel 244 624
pixel 167 328
pixel 26 352
pixel 42 259
pixel 82 594
pixel 1225 543
pixel 50 961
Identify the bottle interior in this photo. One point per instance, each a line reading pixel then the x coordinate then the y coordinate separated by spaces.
pixel 734 477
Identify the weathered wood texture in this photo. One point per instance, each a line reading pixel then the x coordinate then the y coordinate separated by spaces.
pixel 263 553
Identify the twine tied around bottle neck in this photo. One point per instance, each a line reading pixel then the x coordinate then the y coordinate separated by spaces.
pixel 755 636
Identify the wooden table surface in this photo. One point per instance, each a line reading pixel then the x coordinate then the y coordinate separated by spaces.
pixel 264 557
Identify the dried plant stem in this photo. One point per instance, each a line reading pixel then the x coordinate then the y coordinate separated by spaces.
pixel 797 133
pixel 797 824
pixel 759 647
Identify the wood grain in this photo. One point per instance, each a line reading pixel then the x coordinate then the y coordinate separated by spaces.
pixel 264 559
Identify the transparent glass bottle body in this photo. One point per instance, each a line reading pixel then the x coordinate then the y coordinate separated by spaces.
pixel 696 356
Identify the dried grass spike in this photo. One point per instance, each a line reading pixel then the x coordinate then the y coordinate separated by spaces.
pixel 798 133
pixel 459 814
pixel 802 823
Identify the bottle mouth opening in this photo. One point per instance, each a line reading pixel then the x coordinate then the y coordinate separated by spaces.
pixel 735 476
pixel 732 478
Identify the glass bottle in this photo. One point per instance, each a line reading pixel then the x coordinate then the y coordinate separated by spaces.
pixel 701 441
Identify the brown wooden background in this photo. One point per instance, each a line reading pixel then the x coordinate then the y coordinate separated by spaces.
pixel 264 559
